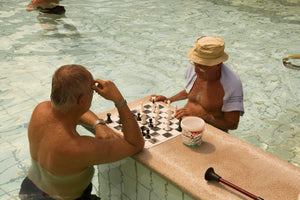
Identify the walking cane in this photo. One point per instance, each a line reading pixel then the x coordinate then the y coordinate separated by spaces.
pixel 211 175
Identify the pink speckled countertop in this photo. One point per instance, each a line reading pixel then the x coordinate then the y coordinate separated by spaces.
pixel 238 162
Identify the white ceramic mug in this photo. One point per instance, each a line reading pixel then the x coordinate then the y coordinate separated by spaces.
pixel 192 131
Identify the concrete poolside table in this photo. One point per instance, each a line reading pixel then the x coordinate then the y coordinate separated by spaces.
pixel 242 164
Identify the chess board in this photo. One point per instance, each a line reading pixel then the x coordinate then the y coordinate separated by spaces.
pixel 156 133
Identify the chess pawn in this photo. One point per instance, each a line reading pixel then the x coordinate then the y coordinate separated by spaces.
pixel 148 134
pixel 139 117
pixel 143 119
pixel 150 123
pixel 108 120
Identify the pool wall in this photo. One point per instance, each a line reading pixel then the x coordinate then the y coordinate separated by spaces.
pixel 128 179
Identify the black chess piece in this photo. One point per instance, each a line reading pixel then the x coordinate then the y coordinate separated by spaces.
pixel 108 120
pixel 148 134
pixel 179 125
pixel 143 130
pixel 150 123
pixel 139 117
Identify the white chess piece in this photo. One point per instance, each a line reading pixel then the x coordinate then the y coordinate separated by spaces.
pixel 169 112
pixel 154 107
pixel 156 117
pixel 157 109
pixel 168 125
pixel 142 107
pixel 153 99
pixel 155 122
pixel 143 121
pixel 169 103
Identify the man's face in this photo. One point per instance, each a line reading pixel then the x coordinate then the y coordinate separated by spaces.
pixel 203 68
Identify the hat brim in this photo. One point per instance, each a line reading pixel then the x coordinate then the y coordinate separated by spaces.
pixel 207 62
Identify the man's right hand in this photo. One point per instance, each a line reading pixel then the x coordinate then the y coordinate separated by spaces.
pixel 108 90
pixel 158 98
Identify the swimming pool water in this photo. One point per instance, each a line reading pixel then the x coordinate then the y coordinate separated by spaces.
pixel 142 46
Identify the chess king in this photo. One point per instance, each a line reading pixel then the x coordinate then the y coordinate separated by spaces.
pixel 213 90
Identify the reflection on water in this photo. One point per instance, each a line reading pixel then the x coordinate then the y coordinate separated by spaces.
pixel 57 26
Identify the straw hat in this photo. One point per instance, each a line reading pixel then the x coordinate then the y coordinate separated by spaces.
pixel 208 51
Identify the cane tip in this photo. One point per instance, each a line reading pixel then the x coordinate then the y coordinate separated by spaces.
pixel 211 175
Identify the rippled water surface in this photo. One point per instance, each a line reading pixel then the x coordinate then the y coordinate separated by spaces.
pixel 142 46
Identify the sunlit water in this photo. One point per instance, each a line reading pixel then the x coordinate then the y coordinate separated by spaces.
pixel 142 47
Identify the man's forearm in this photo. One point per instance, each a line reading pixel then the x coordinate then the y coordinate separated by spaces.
pixel 88 118
pixel 180 96
pixel 130 127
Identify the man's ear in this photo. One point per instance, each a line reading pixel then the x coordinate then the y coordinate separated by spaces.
pixel 81 99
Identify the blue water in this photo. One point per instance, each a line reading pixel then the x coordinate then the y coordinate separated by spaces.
pixel 142 47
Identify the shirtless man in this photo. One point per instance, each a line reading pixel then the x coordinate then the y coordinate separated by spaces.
pixel 46 6
pixel 214 92
pixel 62 160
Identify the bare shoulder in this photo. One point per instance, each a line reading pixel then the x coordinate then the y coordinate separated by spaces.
pixel 42 108
pixel 40 112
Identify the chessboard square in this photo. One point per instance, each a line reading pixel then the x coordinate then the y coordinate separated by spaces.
pixel 155 128
pixel 154 134
pixel 167 135
pixel 153 140
pixel 147 111
pixel 118 127
pixel 147 106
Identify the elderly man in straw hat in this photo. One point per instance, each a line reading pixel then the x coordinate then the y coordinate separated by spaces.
pixel 214 91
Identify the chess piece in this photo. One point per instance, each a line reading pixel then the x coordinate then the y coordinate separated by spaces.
pixel 108 120
pixel 143 130
pixel 148 136
pixel 153 100
pixel 150 123
pixel 169 112
pixel 179 125
pixel 156 117
pixel 142 107
pixel 143 119
pixel 155 121
pixel 167 126
pixel 157 110
pixel 153 107
pixel 139 117
pixel 168 103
